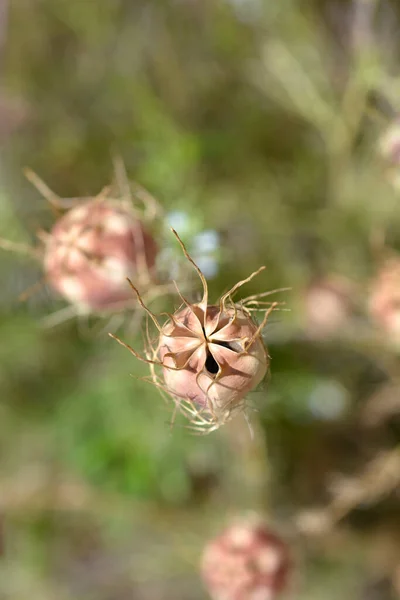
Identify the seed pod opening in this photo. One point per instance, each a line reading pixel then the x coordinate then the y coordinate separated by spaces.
pixel 247 561
pixel 211 355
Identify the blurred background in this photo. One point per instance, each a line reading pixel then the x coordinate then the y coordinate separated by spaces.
pixel 267 132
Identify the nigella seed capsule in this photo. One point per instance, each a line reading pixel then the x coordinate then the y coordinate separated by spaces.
pixel 211 355
pixel 389 150
pixel 95 245
pixel 384 300
pixel 247 561
pixel 92 250
pixel 219 361
pixel 328 305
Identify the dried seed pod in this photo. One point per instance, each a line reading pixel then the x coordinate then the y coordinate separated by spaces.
pixel 92 250
pixel 94 246
pixel 328 306
pixel 211 355
pixel 384 300
pixel 219 354
pixel 389 150
pixel 247 561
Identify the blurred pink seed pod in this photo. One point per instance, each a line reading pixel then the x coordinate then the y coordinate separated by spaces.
pixel 92 250
pixel 211 355
pixel 14 113
pixel 95 245
pixel 384 300
pixel 389 150
pixel 247 561
pixel 328 305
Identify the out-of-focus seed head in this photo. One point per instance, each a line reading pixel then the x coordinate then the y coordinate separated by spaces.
pixel 92 250
pixel 384 300
pixel 247 561
pixel 211 355
pixel 389 149
pixel 95 245
pixel 327 306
